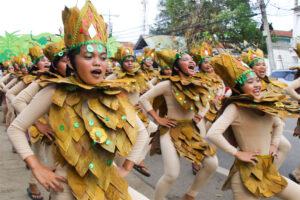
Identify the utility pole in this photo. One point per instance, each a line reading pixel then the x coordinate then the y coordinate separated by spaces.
pixel 110 26
pixel 144 2
pixel 267 32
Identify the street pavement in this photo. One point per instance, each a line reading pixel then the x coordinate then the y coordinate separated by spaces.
pixel 14 176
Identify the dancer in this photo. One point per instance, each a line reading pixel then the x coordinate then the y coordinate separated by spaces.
pixel 126 58
pixel 187 102
pixel 251 116
pixel 255 60
pixel 91 118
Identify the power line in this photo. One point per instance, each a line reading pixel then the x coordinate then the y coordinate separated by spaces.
pixel 199 25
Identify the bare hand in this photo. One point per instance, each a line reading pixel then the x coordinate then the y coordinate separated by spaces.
pixel 197 118
pixel 47 178
pixel 139 107
pixel 166 122
pixel 247 156
pixel 273 151
pixel 46 129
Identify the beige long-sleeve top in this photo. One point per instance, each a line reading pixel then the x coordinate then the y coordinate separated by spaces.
pixel 175 110
pixel 251 130
pixel 25 96
pixel 4 79
pixel 292 87
pixel 27 117
pixel 10 84
pixel 16 89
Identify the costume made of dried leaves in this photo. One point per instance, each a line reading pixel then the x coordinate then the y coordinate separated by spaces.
pixel 91 124
pixel 262 180
pixel 193 96
pixel 214 83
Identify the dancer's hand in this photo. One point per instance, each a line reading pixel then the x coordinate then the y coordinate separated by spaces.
pixel 197 118
pixel 247 156
pixel 139 107
pixel 46 129
pixel 48 179
pixel 273 151
pixel 45 176
pixel 166 122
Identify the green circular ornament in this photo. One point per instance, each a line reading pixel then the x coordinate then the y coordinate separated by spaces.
pixel 76 125
pixel 99 48
pixel 94 143
pixel 98 133
pixel 107 142
pixel 69 36
pixel 60 53
pixel 191 108
pixel 109 162
pixel 62 127
pixel 90 48
pixel 123 117
pixel 106 119
pixel 91 123
pixel 91 166
pixel 184 101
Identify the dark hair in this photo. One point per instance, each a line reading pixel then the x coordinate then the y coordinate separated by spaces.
pixel 176 64
pixel 54 64
pixel 71 55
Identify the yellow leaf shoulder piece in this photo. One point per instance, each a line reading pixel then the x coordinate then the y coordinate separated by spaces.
pixel 27 79
pixel 190 94
pixel 271 103
pixel 139 79
pixel 278 83
pixel 90 127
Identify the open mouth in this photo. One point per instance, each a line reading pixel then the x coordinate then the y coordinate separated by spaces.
pixel 96 73
pixel 256 92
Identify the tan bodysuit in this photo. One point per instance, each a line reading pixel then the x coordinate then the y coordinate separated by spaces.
pixel 252 133
pixel 169 153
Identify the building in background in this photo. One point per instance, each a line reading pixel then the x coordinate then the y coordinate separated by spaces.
pixel 283 44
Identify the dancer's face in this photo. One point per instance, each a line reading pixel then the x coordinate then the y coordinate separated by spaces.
pixel 148 62
pixel 10 69
pixel 91 66
pixel 24 69
pixel 16 66
pixel 43 64
pixel 252 86
pixel 206 66
pixel 61 65
pixel 167 71
pixel 187 65
pixel 128 64
pixel 260 68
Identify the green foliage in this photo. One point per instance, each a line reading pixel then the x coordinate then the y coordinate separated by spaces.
pixel 227 21
pixel 112 46
pixel 12 44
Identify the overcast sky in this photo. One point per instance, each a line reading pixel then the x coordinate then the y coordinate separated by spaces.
pixel 41 16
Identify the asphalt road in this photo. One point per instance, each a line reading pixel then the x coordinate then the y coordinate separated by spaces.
pixel 212 190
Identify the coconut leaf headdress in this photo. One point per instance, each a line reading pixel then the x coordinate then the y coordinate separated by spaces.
pixel 253 57
pixel 7 63
pixel 231 70
pixel 149 53
pixel 23 60
pixel 84 27
pixel 199 53
pixel 35 52
pixel 54 49
pixel 122 53
pixel 165 58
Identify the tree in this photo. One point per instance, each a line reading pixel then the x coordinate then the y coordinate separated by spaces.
pixel 228 21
